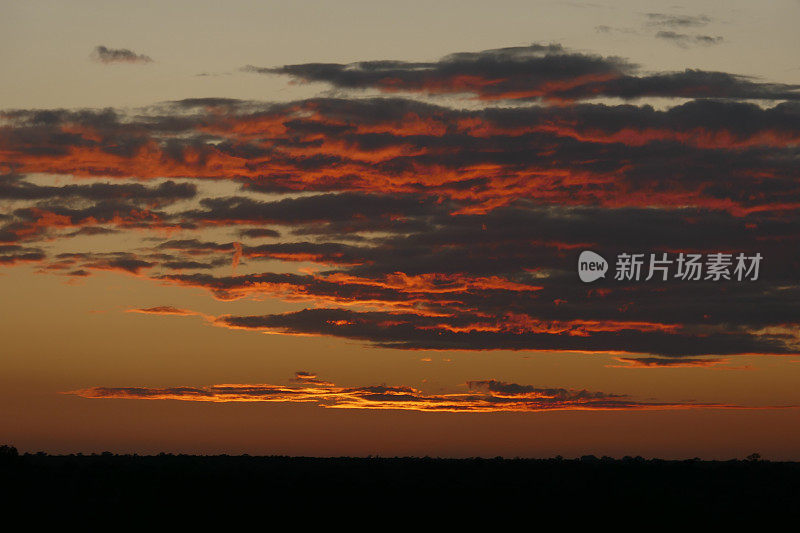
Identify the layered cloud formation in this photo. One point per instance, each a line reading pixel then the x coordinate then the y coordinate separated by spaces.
pixel 409 224
pixel 480 397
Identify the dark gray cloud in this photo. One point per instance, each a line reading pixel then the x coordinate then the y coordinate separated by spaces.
pixel 412 331
pixel 124 261
pixel 13 254
pixel 104 54
pixel 535 72
pixel 14 187
pixel 257 233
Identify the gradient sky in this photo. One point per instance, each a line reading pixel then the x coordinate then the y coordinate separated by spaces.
pixel 352 228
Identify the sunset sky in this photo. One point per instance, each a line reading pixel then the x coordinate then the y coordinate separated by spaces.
pixel 353 228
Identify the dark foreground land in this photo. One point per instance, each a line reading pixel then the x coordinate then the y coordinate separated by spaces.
pixel 750 486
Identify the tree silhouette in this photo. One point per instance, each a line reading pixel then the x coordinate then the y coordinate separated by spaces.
pixel 7 451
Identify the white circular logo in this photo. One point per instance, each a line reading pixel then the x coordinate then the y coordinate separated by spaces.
pixel 591 266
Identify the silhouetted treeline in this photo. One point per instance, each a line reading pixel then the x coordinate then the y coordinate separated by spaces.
pixel 697 486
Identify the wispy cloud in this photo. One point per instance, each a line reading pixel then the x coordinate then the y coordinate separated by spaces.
pixel 684 40
pixel 670 28
pixel 477 397
pixel 677 21
pixel 664 362
pixel 163 310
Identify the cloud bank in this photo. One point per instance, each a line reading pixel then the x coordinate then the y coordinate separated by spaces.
pixel 406 224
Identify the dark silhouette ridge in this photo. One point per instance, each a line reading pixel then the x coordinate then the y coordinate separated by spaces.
pixel 691 486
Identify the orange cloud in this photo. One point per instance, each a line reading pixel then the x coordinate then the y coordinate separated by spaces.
pixel 163 310
pixel 168 310
pixel 479 397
